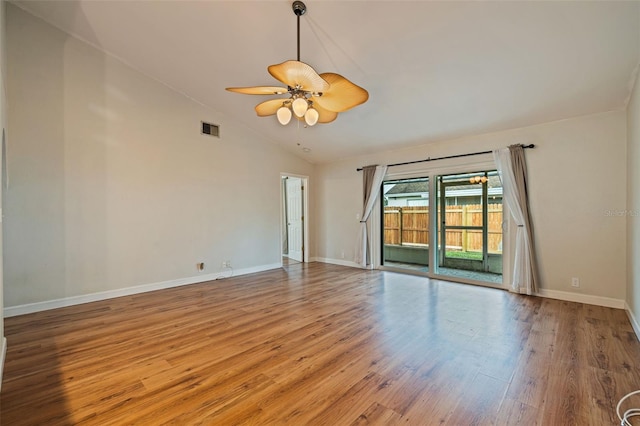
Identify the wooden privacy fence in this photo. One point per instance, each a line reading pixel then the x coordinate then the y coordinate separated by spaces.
pixel 406 225
pixel 410 226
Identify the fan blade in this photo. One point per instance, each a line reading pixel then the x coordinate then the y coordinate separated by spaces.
pixel 324 115
pixel 259 90
pixel 269 107
pixel 342 95
pixel 298 74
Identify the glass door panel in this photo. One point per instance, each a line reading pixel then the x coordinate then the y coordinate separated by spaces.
pixel 469 228
pixel 406 224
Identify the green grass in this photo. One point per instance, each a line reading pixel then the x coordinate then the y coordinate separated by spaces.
pixel 469 255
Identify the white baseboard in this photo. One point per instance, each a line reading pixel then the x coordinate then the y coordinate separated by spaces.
pixel 633 320
pixel 3 355
pixel 582 298
pixel 28 308
pixel 340 262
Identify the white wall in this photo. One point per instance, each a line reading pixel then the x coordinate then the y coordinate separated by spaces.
pixel 577 174
pixel 111 183
pixel 633 206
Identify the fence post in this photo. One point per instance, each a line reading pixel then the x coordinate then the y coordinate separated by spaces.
pixel 400 225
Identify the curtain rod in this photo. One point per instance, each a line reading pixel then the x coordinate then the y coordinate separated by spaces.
pixel 445 158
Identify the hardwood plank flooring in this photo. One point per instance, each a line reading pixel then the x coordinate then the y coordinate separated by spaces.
pixel 320 344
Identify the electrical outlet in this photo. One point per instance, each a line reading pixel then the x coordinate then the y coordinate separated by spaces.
pixel 226 264
pixel 575 282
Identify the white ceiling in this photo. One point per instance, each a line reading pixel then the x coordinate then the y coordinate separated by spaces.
pixel 434 70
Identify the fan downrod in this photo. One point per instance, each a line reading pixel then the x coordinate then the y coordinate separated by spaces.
pixel 299 8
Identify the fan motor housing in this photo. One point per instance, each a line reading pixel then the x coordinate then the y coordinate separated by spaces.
pixel 299 8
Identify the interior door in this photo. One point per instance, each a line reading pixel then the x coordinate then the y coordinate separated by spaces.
pixel 295 217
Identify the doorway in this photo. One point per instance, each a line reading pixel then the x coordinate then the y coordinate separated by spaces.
pixel 294 227
pixel 470 226
pixel 444 226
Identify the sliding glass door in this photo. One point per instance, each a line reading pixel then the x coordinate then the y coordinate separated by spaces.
pixel 466 233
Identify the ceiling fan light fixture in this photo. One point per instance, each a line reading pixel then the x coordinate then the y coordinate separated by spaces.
pixel 311 116
pixel 284 115
pixel 331 92
pixel 300 106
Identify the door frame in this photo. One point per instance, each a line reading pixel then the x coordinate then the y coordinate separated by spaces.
pixel 431 172
pixel 305 215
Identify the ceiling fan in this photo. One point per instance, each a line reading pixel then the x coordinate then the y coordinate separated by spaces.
pixel 312 97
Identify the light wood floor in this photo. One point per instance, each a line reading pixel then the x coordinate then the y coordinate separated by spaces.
pixel 321 345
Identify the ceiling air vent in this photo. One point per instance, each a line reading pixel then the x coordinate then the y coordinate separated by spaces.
pixel 210 129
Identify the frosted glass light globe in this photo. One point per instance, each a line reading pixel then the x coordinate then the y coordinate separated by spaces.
pixel 311 117
pixel 284 115
pixel 300 106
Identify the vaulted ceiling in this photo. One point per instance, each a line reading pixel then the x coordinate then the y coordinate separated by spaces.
pixel 434 70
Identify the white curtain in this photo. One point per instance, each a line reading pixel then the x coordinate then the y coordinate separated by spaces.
pixel 512 173
pixel 372 177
